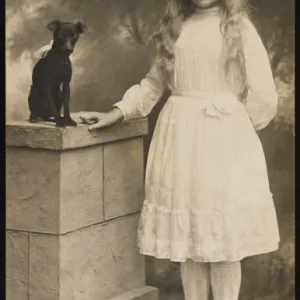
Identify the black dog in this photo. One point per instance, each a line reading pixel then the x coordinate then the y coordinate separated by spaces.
pixel 51 77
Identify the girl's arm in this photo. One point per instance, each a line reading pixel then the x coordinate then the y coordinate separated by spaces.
pixel 262 98
pixel 139 100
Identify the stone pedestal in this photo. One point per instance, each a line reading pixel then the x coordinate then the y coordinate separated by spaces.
pixel 73 199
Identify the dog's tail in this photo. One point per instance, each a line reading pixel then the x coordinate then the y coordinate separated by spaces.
pixel 42 52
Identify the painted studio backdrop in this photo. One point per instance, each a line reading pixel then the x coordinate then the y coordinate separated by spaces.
pixel 113 55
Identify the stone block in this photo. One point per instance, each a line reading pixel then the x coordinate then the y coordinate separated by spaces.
pixel 81 188
pixel 16 265
pixel 123 178
pixel 97 260
pixel 44 267
pixel 144 293
pixel 101 260
pixel 60 191
pixel 47 136
pixel 54 191
pixel 60 245
pixel 32 189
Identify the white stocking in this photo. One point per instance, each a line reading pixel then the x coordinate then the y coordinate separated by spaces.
pixel 225 280
pixel 195 280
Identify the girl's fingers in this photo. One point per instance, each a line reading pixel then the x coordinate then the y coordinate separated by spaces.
pixel 98 125
pixel 84 115
pixel 94 119
pixel 89 115
pixel 82 118
pixel 86 120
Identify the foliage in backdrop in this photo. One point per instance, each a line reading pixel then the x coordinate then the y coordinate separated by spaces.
pixel 113 55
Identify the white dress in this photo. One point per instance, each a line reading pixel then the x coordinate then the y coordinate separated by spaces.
pixel 207 193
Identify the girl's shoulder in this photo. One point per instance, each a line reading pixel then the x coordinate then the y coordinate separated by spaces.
pixel 249 32
pixel 248 29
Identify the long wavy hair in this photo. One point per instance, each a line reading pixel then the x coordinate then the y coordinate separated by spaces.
pixel 232 14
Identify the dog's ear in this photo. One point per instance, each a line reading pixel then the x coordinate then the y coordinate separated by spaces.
pixel 54 25
pixel 80 27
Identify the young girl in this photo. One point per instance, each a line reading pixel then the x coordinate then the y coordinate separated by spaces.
pixel 207 199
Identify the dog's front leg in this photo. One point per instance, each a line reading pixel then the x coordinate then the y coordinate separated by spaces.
pixel 56 114
pixel 66 103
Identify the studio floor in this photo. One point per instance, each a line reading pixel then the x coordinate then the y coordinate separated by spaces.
pixel 178 295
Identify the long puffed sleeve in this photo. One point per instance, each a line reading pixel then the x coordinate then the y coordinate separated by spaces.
pixel 139 100
pixel 262 100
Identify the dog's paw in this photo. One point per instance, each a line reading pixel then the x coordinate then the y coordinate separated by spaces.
pixel 60 122
pixel 70 122
pixel 33 119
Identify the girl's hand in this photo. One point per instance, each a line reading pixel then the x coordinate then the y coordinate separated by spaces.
pixel 99 120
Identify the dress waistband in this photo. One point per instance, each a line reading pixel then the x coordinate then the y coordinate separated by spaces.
pixel 200 94
pixel 215 104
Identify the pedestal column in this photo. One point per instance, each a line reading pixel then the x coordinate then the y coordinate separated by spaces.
pixel 73 201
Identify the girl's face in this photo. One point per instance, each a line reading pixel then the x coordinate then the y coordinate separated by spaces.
pixel 205 3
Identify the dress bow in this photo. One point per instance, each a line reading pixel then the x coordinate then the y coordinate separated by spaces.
pixel 222 104
pixel 41 53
